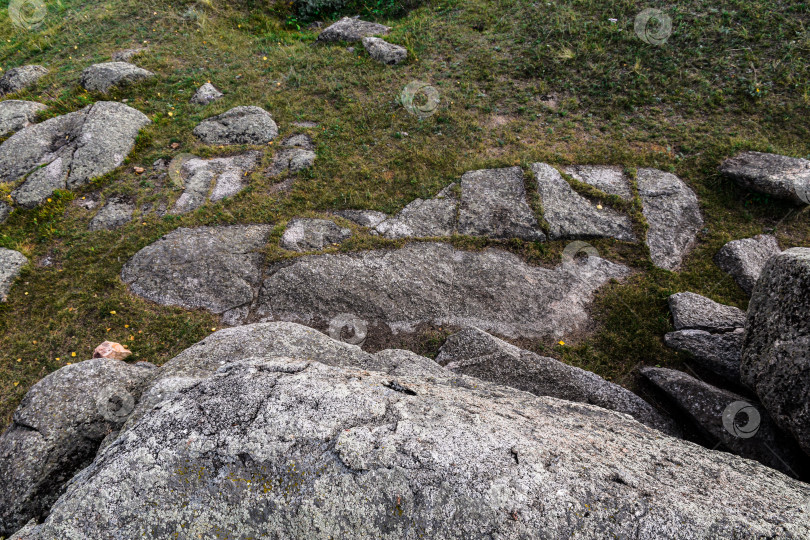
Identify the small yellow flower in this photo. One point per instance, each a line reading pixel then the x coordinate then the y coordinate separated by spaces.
pixel 213 329
pixel 57 358
pixel 49 200
pixel 112 312
pixel 562 343
pixel 16 383
pixel 126 326
pixel 73 354
pixel 598 206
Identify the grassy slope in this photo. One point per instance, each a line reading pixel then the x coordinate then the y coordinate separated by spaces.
pixel 681 107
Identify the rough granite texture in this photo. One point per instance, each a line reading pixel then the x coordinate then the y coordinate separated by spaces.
pixel 384 52
pixel 213 179
pixel 744 428
pixel 475 353
pixel 693 311
pixel 610 179
pixel 116 213
pixel 570 215
pixel 103 77
pixel 364 218
pixel 280 447
pixel 719 353
pixel 672 212
pixel 296 154
pixel 351 29
pixel 780 176
pixel 127 54
pixel 744 259
pixel 206 94
pixel 16 115
pixel 11 262
pixel 776 350
pixel 69 150
pixel 240 125
pixel 434 283
pixel 422 218
pixel 21 77
pixel 5 211
pixel 56 431
pixel 312 234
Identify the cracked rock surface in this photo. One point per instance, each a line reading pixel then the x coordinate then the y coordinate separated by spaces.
pixel 297 153
pixel 16 114
pixel 719 353
pixel 68 151
pixel 312 234
pixel 213 179
pixel 102 77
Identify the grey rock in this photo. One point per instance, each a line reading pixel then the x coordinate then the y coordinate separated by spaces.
pixel 16 115
pixel 609 179
pixel 297 153
pixel 299 140
pixel 570 215
pixel 212 268
pixel 11 263
pixel 422 218
pixel 364 218
pixel 206 94
pixel 213 179
pixel 384 52
pixel 493 204
pixel 728 418
pixel 240 125
pixel 719 353
pixel 103 77
pixel 19 78
pixel 349 29
pixel 312 234
pixel 306 124
pixel 5 211
pixel 292 448
pixel 744 259
pixel 68 151
pixel 127 54
pixel 56 431
pixel 693 311
pixel 780 176
pixel 673 214
pixel 434 283
pixel 776 350
pixel 116 213
pixel 475 353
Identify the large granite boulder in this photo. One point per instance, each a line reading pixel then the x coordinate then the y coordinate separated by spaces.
pixel 692 311
pixel 19 78
pixel 776 350
pixel 103 77
pixel 780 176
pixel 240 125
pixel 744 259
pixel 289 447
pixel 312 234
pixel 68 151
pixel 384 52
pixel 56 431
pixel 16 115
pixel 352 29
pixel 11 263
pixel 475 353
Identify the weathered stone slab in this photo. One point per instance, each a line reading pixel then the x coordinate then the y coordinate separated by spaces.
pixel 744 259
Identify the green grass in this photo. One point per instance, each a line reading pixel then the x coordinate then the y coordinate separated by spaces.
pixel 519 82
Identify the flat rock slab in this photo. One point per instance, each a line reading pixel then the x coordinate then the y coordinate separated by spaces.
pixel 744 259
pixel 313 234
pixel 610 179
pixel 56 431
pixel 384 52
pixel 103 77
pixel 213 179
pixel 719 353
pixel 350 29
pixel 240 125
pixel 422 218
pixel 206 94
pixel 693 311
pixel 19 78
pixel 570 215
pixel 116 213
pixel 212 268
pixel 11 262
pixel 68 151
pixel 672 212
pixel 475 353
pixel 16 115
pixel 776 351
pixel 296 154
pixel 728 418
pixel 364 218
pixel 782 177
pixel 292 448
pixel 435 283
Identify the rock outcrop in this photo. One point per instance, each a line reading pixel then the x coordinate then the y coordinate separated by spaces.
pixel 384 52
pixel 718 353
pixel 68 151
pixel 691 311
pixel 240 125
pixel 776 350
pixel 16 115
pixel 116 213
pixel 744 259
pixel 103 77
pixel 779 176
pixel 19 78
pixel 352 29
pixel 297 153
pixel 11 263
pixel 212 179
pixel 312 234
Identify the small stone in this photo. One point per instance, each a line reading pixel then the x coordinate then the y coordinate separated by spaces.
pixel 102 77
pixel 693 311
pixel 312 234
pixel 349 29
pixel 240 125
pixel 16 115
pixel 111 350
pixel 744 259
pixel 384 52
pixel 126 55
pixel 11 263
pixel 18 78
pixel 206 94
pixel 116 213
